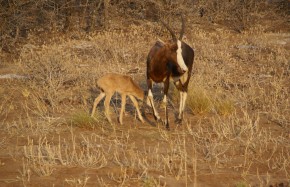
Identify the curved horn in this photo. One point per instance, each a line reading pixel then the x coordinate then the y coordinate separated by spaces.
pixel 171 32
pixel 182 28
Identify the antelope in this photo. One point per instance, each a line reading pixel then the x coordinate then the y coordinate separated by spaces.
pixel 124 85
pixel 171 60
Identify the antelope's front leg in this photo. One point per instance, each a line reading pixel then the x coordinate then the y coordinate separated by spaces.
pixel 96 102
pixel 150 100
pixel 166 87
pixel 135 102
pixel 183 97
pixel 107 106
pixel 182 87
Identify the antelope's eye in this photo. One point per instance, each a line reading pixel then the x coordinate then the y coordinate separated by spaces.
pixel 174 47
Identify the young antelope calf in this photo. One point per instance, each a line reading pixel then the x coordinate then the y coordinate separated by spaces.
pixel 124 85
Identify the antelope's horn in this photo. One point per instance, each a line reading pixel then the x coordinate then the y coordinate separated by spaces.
pixel 171 32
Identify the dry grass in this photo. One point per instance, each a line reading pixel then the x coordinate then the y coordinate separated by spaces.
pixel 237 120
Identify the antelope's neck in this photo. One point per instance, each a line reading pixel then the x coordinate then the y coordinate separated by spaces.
pixel 180 60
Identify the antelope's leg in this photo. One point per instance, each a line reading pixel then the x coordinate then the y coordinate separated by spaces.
pixel 96 102
pixel 107 106
pixel 137 107
pixel 180 105
pixel 166 87
pixel 123 104
pixel 182 86
pixel 150 100
pixel 183 97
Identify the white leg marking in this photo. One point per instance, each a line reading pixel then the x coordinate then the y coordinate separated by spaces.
pixel 180 60
pixel 184 77
pixel 183 97
pixel 184 100
pixel 164 99
pixel 150 93
pixel 180 104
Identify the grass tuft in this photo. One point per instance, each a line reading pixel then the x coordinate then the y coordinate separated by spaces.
pixel 84 120
pixel 223 107
pixel 198 101
pixel 241 184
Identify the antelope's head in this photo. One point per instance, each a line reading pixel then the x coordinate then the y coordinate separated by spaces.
pixel 174 47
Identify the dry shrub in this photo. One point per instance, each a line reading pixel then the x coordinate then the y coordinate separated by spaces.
pixel 20 19
pixel 52 74
pixel 239 15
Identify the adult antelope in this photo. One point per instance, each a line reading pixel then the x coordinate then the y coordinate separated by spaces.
pixel 170 60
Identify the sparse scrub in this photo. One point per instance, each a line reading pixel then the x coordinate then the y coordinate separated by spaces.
pixel 239 15
pixel 51 74
pixel 236 127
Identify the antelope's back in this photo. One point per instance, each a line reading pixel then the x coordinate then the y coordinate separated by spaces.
pixel 158 45
pixel 113 81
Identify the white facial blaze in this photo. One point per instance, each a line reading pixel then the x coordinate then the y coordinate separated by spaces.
pixel 180 60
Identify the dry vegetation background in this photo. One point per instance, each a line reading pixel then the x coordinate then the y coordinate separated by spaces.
pixel 236 127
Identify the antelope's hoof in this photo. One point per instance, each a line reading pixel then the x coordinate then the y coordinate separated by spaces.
pixel 157 118
pixel 167 127
pixel 119 121
pixel 159 122
pixel 142 120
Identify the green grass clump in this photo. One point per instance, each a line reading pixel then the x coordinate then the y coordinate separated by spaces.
pixel 241 184
pixel 84 120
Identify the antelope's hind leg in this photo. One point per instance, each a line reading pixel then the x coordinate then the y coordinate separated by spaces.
pixel 96 102
pixel 107 106
pixel 123 104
